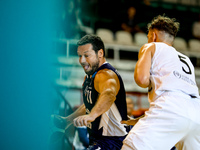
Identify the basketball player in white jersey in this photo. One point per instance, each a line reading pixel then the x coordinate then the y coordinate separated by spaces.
pixel 174 114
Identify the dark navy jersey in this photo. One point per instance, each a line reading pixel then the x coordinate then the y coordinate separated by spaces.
pixel 108 124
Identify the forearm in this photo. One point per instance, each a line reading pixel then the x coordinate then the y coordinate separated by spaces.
pixel 103 104
pixel 80 111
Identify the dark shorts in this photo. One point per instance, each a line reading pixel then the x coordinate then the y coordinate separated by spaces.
pixel 106 143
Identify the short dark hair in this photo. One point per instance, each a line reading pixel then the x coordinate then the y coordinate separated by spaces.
pixel 95 40
pixel 164 23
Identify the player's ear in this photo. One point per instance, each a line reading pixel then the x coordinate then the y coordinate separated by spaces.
pixel 100 53
pixel 154 36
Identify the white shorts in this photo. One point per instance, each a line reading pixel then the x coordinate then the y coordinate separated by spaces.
pixel 173 119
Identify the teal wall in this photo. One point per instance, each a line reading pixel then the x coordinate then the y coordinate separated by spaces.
pixel 26 31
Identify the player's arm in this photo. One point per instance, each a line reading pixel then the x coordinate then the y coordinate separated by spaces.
pixel 107 85
pixel 65 122
pixel 143 65
pixel 80 111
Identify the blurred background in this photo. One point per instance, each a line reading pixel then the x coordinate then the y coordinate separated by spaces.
pixel 122 24
pixel 40 72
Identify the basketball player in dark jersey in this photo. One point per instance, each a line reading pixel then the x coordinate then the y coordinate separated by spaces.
pixel 103 95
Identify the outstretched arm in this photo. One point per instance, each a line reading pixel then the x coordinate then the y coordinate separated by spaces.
pixel 80 111
pixel 65 122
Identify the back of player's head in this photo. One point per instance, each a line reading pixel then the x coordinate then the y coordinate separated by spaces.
pixel 94 40
pixel 163 23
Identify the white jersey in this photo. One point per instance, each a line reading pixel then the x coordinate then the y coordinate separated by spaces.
pixel 171 71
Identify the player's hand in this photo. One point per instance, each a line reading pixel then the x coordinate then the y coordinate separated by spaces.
pixel 83 120
pixel 131 121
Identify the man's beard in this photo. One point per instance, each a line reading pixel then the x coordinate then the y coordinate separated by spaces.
pixel 94 67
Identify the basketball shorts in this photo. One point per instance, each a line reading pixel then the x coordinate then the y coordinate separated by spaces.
pixel 106 143
pixel 172 119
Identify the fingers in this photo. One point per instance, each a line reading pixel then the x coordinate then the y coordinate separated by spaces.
pixel 131 122
pixel 77 122
pixel 123 122
pixel 81 121
pixel 129 117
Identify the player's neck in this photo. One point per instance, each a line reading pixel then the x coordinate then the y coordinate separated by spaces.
pixel 102 61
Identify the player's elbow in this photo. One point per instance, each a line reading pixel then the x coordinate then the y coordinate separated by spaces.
pixel 109 94
pixel 142 81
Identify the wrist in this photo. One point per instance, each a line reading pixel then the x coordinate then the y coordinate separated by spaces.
pixel 92 116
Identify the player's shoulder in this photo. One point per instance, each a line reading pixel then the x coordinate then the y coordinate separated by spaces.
pixel 181 54
pixel 106 78
pixel 106 73
pixel 149 47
